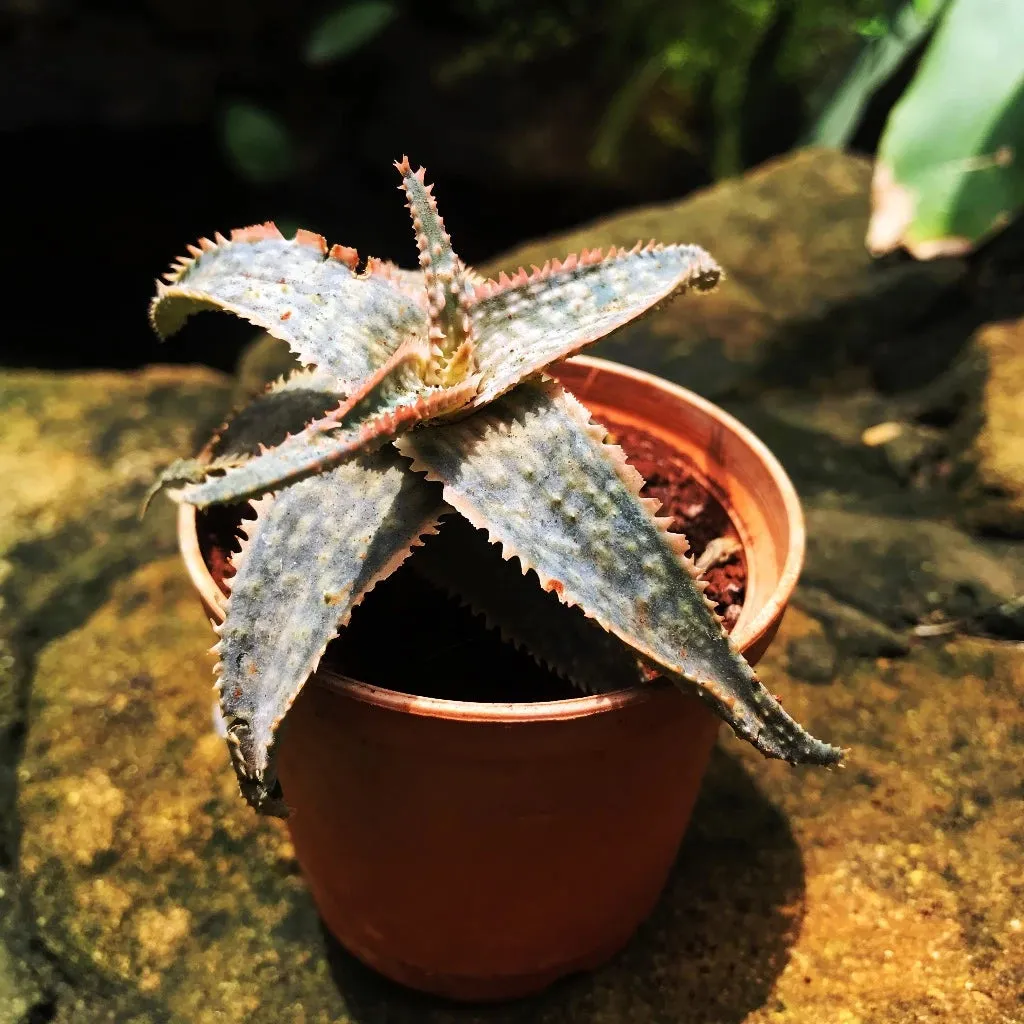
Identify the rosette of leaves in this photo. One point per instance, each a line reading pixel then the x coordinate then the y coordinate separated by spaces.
pixel 423 393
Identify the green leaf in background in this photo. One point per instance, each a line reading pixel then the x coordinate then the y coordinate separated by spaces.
pixel 257 143
pixel 950 165
pixel 622 108
pixel 872 28
pixel 345 30
pixel 890 43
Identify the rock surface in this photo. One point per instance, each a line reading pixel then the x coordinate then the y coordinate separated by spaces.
pixel 76 454
pixel 800 283
pixel 135 886
pixel 994 423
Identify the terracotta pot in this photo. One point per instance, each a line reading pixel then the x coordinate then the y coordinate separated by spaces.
pixel 481 851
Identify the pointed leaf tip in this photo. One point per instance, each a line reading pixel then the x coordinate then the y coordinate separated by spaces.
pixel 446 282
pixel 344 531
pixel 586 532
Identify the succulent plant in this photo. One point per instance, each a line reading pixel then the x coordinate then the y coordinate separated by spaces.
pixel 422 393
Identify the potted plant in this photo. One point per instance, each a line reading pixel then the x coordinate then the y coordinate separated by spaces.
pixel 476 847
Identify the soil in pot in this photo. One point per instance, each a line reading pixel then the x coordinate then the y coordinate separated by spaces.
pixel 390 641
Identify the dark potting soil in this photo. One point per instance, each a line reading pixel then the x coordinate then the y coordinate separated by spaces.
pixel 696 513
pixel 410 636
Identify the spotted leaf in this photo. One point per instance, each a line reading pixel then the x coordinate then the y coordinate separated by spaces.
pixel 298 290
pixel 537 475
pixel 524 323
pixel 312 554
pixel 285 408
pixel 390 402
pixel 446 281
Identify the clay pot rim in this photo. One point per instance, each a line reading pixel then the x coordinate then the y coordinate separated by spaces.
pixel 746 633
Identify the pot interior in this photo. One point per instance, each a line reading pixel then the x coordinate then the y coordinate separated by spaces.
pixel 411 637
pixel 739 469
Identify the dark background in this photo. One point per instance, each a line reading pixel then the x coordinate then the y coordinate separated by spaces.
pixel 112 116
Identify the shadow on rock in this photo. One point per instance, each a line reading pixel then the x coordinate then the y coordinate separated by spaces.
pixel 711 951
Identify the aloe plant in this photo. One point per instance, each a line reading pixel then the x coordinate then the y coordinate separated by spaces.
pixel 423 393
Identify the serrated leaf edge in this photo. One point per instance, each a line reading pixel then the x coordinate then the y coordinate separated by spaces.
pixel 248 530
pixel 706 276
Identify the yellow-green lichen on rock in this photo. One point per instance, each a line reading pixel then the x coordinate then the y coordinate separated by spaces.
pixel 142 825
pixel 77 452
pixel 994 493
pixel 877 893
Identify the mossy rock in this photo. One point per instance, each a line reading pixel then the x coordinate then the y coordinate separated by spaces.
pixel 801 296
pixel 993 489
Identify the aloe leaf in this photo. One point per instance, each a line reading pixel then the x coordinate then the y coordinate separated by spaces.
pixel 410 282
pixel 537 475
pixel 297 290
pixel 528 321
pixel 312 554
pixel 388 403
pixel 285 408
pixel 949 172
pixel 445 277
pixel 186 471
pixel 460 561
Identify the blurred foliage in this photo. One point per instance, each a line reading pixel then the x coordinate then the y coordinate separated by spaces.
pixel 891 42
pixel 691 90
pixel 949 171
pixel 670 58
pixel 684 76
pixel 346 29
pixel 257 143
